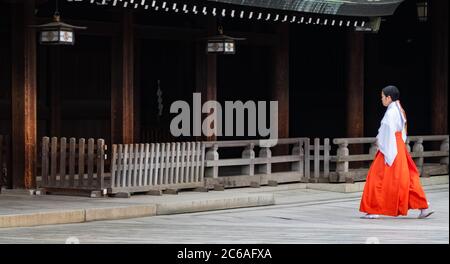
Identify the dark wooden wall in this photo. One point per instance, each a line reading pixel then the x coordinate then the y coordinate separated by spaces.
pixel 74 89
pixel 244 76
pixel 171 62
pixel 318 99
pixel 5 70
pixel 399 55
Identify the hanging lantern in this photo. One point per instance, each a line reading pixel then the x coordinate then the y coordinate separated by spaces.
pixel 422 10
pixel 57 32
pixel 222 44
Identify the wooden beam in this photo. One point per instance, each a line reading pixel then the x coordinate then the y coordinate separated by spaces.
pixel 24 96
pixel 439 67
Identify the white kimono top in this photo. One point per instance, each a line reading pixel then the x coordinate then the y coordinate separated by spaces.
pixel 393 121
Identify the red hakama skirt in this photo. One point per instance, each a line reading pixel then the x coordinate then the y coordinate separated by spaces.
pixel 393 190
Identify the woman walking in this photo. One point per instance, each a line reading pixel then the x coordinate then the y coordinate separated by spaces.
pixel 393 186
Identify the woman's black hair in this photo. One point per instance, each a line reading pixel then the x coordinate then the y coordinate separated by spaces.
pixel 392 91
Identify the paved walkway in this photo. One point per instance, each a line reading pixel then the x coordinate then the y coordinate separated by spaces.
pixel 299 215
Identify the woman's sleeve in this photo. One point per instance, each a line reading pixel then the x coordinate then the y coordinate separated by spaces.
pixel 387 143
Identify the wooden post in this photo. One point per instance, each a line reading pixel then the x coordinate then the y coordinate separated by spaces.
pixel 249 153
pixel 299 166
pixel 122 87
pixel 342 166
pixel 280 80
pixel 418 149
pixel 206 71
pixel 444 147
pixel 355 89
pixel 267 167
pixel 279 90
pixel 212 154
pixel 24 96
pixel 439 66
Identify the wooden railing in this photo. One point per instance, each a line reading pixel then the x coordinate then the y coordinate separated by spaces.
pixel 73 166
pixel 5 161
pixel 136 168
pixel 254 169
pixel 146 167
pixel 343 157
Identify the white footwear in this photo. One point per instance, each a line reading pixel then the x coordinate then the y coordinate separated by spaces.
pixel 370 216
pixel 424 213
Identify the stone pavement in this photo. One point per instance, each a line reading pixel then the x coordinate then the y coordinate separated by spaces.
pixel 300 216
pixel 18 210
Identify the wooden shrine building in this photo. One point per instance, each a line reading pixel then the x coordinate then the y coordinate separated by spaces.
pixel 325 62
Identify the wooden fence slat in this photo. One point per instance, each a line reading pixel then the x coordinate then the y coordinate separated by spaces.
pixel 161 164
pixel 307 156
pixel 194 162
pixel 158 163
pixel 136 164
pixel 301 151
pixel 100 163
pixel 129 167
pixel 146 165
pixel 197 160
pixel 188 162
pixel 121 164
pixel 53 163
pixel 152 164
pixel 183 163
pixel 81 161
pixel 90 163
pixel 173 156
pixel 125 158
pixel 177 166
pixel 202 171
pixel 326 157
pixel 141 164
pixel 316 158
pixel 167 164
pixel 72 143
pixel 114 167
pixel 62 168
pixel 192 174
pixel 45 161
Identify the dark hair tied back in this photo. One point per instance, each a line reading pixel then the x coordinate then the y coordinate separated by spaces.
pixel 392 91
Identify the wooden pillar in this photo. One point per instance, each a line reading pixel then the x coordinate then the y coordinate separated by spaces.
pixel 206 71
pixel 355 84
pixel 24 96
pixel 280 79
pixel 279 90
pixel 122 83
pixel 439 66
pixel 355 89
